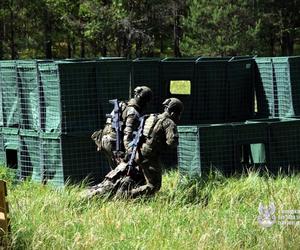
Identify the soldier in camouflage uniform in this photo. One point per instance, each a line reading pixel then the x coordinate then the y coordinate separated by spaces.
pixel 159 131
pixel 130 112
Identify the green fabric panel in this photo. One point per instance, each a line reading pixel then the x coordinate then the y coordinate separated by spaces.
pixel 264 87
pixel 10 101
pixel 78 96
pixel 248 138
pixel 30 157
pixel 28 94
pixel 258 151
pixel 51 162
pixel 11 141
pixel 81 159
pixel 285 144
pixel 188 151
pixel 210 91
pixel 180 69
pixel 49 97
pixel 282 86
pixel 147 72
pixel 294 63
pixel 240 90
pixel 211 146
pixel 217 148
pixel 113 82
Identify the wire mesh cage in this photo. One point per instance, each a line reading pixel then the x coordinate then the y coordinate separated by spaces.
pixel 205 147
pixel 277 88
pixel 271 144
pixel 113 79
pixel 9 89
pixel 146 71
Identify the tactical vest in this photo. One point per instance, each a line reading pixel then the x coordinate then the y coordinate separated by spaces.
pixel 123 106
pixel 152 125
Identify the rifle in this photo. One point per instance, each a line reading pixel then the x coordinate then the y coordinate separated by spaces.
pixel 116 124
pixel 136 143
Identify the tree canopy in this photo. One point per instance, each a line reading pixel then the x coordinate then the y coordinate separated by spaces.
pixel 137 28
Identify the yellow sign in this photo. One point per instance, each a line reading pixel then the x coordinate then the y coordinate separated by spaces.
pixel 180 87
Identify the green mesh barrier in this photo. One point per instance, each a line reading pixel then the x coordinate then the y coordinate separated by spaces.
pixel 70 159
pixel 2 152
pixel 78 91
pixel 181 69
pixel 50 101
pixel 29 153
pixel 11 149
pixel 285 144
pixel 282 87
pixel 147 72
pixel 210 91
pixel 9 87
pixel 294 63
pixel 277 88
pixel 240 89
pixel 264 87
pixel 28 88
pixel 113 82
pixel 205 147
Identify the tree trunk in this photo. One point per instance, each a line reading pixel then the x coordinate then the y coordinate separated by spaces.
pixel 69 48
pixel 138 50
pixel 12 34
pixel 103 50
pixel 1 31
pixel 176 37
pixel 82 48
pixel 48 34
pixel 287 44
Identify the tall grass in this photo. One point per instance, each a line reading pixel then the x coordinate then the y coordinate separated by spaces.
pixel 213 213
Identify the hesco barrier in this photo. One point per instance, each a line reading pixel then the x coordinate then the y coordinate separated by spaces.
pixel 9 89
pixel 277 86
pixel 51 158
pixel 272 143
pixel 113 82
pixel 146 71
pixel 68 97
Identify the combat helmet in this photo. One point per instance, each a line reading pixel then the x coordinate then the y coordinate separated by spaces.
pixel 143 95
pixel 173 106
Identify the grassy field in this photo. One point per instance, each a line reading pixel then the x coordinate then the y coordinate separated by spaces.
pixel 218 213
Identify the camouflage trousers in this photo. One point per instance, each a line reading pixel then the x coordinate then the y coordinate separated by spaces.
pixel 152 172
pixel 117 183
pixel 105 141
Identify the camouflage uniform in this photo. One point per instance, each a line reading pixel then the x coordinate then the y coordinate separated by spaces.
pixel 159 132
pixel 106 138
pixel 130 112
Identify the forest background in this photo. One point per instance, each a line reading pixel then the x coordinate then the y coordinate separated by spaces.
pixel 148 28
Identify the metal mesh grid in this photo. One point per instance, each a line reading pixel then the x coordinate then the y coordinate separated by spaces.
pixel 264 87
pixel 9 87
pixel 283 101
pixel 28 95
pixel 49 93
pixel 277 89
pixel 240 89
pixel 272 143
pixel 29 154
pixel 147 72
pixel 113 79
pixel 179 69
pixel 78 96
pixel 210 91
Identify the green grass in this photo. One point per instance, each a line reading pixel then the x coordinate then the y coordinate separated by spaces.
pixel 219 213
